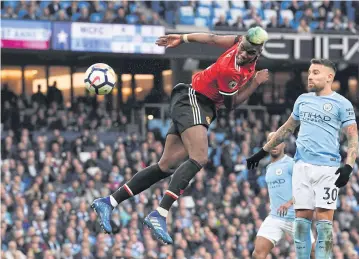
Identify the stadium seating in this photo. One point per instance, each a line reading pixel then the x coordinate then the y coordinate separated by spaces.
pixel 204 13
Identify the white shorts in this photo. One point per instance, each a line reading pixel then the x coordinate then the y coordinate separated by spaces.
pixel 314 186
pixel 274 229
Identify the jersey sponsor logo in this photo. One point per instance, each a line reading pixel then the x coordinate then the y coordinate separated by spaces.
pixel 276 183
pixel 327 107
pixel 278 171
pixel 312 116
pixel 232 84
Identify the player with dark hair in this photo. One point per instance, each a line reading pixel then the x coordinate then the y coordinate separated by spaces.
pixel 229 81
pixel 317 175
pixel 280 220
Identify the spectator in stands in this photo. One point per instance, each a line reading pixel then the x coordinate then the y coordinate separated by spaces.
pixel 22 6
pixel 72 9
pixel 84 15
pixel 39 97
pixel 321 26
pixel 239 24
pixel 155 19
pixel 273 22
pixel 142 19
pixel 285 24
pixel 13 252
pixel 339 16
pixel 257 22
pixel 54 95
pixel 274 5
pixel 253 13
pixel 308 15
pixel 10 13
pixel 337 24
pixel 121 16
pixel 54 7
pixel 303 26
pixel 95 7
pixel 31 14
pixel 61 16
pixel 46 14
pixel 327 6
pixel 294 7
pixel 108 18
pixel 222 21
pixel 306 4
pixel 322 14
pixel 353 91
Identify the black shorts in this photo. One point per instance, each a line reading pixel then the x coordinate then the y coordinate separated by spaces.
pixel 189 108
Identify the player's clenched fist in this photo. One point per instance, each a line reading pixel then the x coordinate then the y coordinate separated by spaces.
pixel 169 41
pixel 261 76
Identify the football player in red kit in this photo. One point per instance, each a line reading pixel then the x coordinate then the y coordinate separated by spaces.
pixel 229 81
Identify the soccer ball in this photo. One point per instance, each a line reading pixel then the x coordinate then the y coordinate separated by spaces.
pixel 100 79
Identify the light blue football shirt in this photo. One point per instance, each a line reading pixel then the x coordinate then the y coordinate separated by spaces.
pixel 279 182
pixel 321 118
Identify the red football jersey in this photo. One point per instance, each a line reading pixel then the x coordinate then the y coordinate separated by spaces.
pixel 224 77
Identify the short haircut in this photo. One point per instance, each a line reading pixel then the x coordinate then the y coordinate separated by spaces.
pixel 324 62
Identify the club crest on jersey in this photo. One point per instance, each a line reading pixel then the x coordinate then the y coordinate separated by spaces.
pixel 278 171
pixel 327 107
pixel 232 84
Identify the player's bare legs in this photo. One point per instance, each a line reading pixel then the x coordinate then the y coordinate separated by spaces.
pixel 262 248
pixel 196 143
pixel 174 152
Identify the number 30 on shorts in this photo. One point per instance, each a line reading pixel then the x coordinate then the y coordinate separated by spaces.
pixel 330 194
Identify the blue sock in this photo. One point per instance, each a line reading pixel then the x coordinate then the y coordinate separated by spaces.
pixel 303 244
pixel 324 244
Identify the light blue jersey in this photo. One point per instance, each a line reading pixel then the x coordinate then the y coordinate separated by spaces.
pixel 279 182
pixel 321 118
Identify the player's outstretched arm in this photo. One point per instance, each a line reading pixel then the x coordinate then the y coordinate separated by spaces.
pixel 351 132
pixel 280 135
pixel 243 94
pixel 174 40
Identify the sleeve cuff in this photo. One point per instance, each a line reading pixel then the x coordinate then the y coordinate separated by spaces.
pixel 295 117
pixel 228 94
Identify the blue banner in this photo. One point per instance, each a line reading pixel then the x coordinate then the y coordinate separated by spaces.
pixel 98 37
pixel 61 36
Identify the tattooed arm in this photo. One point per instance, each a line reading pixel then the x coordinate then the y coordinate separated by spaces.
pixel 351 132
pixel 282 133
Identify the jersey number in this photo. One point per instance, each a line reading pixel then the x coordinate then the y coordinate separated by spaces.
pixel 333 194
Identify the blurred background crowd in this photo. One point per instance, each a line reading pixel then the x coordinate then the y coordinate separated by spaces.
pixel 49 177
pixel 301 16
pixel 61 148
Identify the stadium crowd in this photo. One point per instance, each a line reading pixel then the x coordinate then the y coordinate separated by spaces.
pixel 301 16
pixel 48 182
